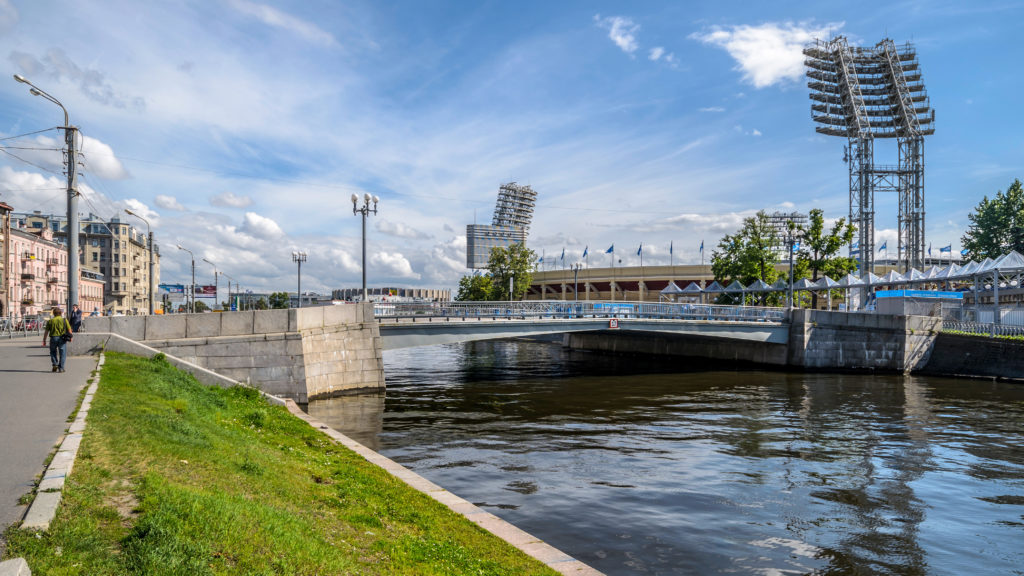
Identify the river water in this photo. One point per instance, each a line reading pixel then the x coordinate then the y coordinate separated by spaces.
pixel 640 466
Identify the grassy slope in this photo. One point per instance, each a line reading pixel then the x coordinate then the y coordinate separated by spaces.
pixel 176 478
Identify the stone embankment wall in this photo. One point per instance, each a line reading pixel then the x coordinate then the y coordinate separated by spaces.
pixel 860 341
pixel 301 354
pixel 976 356
pixel 817 340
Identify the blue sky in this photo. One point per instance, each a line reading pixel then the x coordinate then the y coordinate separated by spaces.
pixel 241 128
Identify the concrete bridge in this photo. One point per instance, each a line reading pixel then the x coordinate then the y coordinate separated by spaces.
pixel 310 353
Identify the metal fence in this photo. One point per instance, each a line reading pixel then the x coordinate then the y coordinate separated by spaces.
pixel 522 310
pixel 983 328
pixel 980 320
pixel 31 325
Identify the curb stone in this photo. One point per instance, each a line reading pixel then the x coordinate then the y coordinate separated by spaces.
pixel 48 494
pixel 15 567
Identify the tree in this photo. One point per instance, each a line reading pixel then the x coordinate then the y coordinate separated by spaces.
pixel 279 300
pixel 819 252
pixel 515 263
pixel 748 255
pixel 997 225
pixel 201 306
pixel 474 287
pixel 261 304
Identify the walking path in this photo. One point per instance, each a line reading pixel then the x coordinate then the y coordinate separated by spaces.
pixel 34 407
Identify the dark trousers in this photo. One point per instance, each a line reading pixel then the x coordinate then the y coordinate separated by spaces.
pixel 58 351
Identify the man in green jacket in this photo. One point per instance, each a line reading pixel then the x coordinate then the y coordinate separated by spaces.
pixel 59 330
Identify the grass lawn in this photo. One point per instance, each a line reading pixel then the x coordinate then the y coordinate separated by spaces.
pixel 174 477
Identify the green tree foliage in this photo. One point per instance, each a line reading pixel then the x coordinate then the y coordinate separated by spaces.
pixel 201 306
pixel 748 255
pixel 261 304
pixel 474 288
pixel 997 225
pixel 819 251
pixel 279 300
pixel 515 262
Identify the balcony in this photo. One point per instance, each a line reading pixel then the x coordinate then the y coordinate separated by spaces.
pixel 28 276
pixel 51 280
pixel 54 302
pixel 28 256
pixel 27 302
pixel 52 261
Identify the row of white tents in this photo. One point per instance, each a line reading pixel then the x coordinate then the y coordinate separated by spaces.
pixel 975 273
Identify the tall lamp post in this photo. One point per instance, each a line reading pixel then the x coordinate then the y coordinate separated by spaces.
pixel 72 210
pixel 193 289
pixel 230 280
pixel 365 210
pixel 216 284
pixel 300 257
pixel 575 281
pixel 149 233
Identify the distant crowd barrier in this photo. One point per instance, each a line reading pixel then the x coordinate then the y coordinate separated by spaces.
pixel 533 309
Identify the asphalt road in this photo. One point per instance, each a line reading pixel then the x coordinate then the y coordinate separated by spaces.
pixel 34 407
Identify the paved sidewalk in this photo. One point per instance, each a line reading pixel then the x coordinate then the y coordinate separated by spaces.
pixel 34 407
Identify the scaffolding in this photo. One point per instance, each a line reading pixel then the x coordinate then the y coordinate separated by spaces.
pixel 514 208
pixel 513 214
pixel 867 93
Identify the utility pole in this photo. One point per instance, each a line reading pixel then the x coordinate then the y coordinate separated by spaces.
pixel 216 284
pixel 365 210
pixel 72 194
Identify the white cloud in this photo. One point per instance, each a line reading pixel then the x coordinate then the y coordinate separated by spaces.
pixel 656 53
pixel 91 82
pixel 8 16
pixel 393 264
pixel 260 227
pixel 712 109
pixel 229 200
pixel 770 53
pixel 168 203
pixel 621 31
pixel 140 208
pixel 400 230
pixel 99 159
pixel 755 132
pixel 274 17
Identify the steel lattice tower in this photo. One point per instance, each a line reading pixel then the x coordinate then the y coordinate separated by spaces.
pixel 868 93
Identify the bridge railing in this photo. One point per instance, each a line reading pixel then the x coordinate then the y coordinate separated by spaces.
pixel 568 309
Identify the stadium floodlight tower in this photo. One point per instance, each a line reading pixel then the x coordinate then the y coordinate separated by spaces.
pixel 867 93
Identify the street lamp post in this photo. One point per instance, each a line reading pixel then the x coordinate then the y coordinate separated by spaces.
pixel 365 210
pixel 300 257
pixel 193 289
pixel 216 284
pixel 72 195
pixel 149 234
pixel 575 281
pixel 230 280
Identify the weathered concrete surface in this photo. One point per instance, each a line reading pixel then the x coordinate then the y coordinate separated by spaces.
pixel 817 340
pixel 15 567
pixel 976 356
pixel 856 341
pixel 302 354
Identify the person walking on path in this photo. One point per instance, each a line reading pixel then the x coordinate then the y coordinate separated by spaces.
pixel 59 330
pixel 76 318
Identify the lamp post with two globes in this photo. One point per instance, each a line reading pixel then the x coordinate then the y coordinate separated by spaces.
pixel 365 210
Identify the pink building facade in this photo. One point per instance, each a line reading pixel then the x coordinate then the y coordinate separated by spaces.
pixel 38 273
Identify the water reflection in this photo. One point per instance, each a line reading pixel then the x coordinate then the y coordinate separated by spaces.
pixel 660 467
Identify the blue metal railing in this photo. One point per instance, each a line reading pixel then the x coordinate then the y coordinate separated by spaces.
pixel 568 309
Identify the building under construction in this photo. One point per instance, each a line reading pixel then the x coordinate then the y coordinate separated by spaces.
pixel 513 214
pixel 867 93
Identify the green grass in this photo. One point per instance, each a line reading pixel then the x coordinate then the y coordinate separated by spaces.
pixel 996 337
pixel 173 477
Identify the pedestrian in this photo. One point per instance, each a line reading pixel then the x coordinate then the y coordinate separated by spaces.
pixel 95 312
pixel 59 330
pixel 76 318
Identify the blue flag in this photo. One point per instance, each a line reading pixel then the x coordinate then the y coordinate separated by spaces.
pixel 701 246
pixel 884 246
pixel 563 254
pixel 585 251
pixel 670 247
pixel 948 248
pixel 541 259
pixel 964 252
pixel 610 250
pixel 929 248
pixel 640 250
